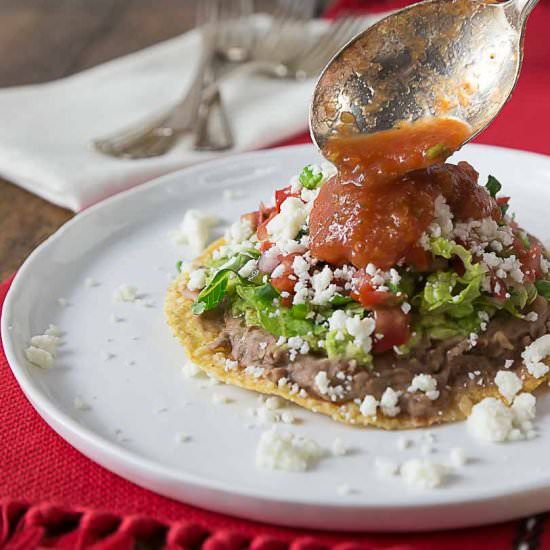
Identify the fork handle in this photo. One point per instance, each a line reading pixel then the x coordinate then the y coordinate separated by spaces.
pixel 182 117
pixel 212 130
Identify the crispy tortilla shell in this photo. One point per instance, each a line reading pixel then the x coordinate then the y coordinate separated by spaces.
pixel 197 335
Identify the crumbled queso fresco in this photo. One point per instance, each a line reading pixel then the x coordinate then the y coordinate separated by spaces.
pixel 492 420
pixel 194 229
pixel 286 452
pixel 43 347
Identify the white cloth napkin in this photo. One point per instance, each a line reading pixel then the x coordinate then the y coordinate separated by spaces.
pixel 46 130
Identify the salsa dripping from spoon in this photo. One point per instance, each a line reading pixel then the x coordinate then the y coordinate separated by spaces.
pixel 391 106
pixel 437 72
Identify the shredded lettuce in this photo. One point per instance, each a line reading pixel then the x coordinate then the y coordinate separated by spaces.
pixel 235 262
pixel 222 281
pixel 543 288
pixel 447 249
pixel 260 305
pixel 447 291
pixel 338 346
pixel 449 304
pixel 520 297
pixel 213 293
pixel 440 326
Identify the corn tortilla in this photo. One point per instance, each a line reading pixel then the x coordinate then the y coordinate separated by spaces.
pixel 197 335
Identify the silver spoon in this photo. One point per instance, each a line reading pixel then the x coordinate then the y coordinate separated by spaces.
pixel 442 58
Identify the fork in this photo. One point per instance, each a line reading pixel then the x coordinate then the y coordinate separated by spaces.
pixel 298 67
pixel 274 44
pixel 312 61
pixel 232 43
pixel 280 42
pixel 156 136
pixel 306 64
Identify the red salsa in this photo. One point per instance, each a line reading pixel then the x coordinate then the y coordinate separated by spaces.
pixel 382 200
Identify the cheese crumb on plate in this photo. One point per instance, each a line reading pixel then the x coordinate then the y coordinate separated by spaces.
pixel 491 420
pixel 125 293
pixel 286 452
pixel 423 473
pixel 194 229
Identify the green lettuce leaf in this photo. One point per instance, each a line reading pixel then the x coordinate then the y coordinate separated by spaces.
pixel 447 249
pixel 440 326
pixel 277 320
pixel 493 186
pixel 543 288
pixel 449 303
pixel 447 291
pixel 213 293
pixel 221 282
pixel 337 347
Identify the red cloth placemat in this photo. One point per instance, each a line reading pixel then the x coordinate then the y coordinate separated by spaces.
pixel 52 496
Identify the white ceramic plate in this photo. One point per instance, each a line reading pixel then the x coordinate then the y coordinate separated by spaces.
pixel 137 409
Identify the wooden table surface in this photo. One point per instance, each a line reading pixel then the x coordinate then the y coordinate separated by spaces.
pixel 43 40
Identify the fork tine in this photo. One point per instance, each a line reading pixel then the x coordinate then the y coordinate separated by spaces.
pixel 275 45
pixel 325 42
pixel 314 60
pixel 236 41
pixel 303 10
pixel 273 35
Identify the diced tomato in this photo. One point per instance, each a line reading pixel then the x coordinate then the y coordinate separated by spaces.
pixel 262 227
pixel 529 258
pixel 372 298
pixel 287 300
pixel 395 327
pixel 498 288
pixel 367 295
pixel 265 246
pixel 418 258
pixel 286 281
pixel 265 212
pixel 282 194
pixel 502 201
pixel 283 283
pixel 259 217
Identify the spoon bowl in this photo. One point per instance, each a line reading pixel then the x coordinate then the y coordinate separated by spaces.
pixel 438 58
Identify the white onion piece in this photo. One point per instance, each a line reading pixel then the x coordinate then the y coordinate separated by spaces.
pixel 268 262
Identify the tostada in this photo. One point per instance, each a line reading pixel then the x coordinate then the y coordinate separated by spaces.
pixel 386 288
